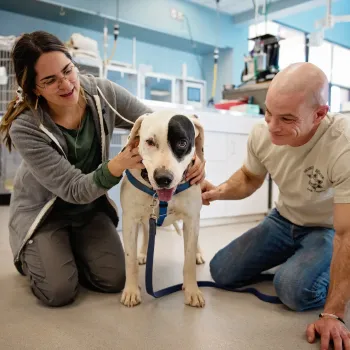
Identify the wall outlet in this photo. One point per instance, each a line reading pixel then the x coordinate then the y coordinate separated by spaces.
pixel 175 14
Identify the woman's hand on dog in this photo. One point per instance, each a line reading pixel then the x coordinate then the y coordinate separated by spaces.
pixel 196 173
pixel 129 158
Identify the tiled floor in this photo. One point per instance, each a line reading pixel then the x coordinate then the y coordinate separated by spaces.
pixel 98 321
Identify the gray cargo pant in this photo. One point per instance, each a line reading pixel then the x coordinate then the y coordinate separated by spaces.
pixel 67 250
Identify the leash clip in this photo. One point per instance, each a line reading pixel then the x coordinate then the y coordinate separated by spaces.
pixel 153 206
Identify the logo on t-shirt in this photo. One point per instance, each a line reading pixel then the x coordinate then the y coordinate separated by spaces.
pixel 315 179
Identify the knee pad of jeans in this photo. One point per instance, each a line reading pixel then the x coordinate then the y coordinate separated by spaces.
pixel 57 294
pixel 297 294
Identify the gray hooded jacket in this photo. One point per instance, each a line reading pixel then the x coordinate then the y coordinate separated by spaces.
pixel 45 172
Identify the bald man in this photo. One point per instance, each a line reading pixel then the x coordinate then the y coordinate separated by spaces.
pixel 306 150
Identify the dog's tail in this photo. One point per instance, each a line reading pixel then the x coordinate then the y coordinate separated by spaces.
pixel 177 228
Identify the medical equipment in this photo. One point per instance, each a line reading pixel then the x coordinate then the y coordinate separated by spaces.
pixel 262 62
pixel 215 56
pixel 190 91
pixel 328 22
pixel 155 86
pixel 106 60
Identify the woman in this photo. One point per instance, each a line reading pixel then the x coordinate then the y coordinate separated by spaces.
pixel 62 223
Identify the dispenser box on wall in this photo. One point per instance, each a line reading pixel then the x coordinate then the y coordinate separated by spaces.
pixel 191 92
pixel 157 87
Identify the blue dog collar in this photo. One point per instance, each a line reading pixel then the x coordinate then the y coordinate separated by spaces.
pixel 163 206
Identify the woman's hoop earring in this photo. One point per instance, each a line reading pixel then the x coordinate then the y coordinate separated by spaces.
pixel 37 101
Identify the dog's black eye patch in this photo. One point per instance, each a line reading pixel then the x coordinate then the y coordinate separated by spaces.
pixel 180 136
pixel 182 144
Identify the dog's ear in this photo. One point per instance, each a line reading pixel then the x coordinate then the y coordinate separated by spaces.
pixel 199 137
pixel 133 138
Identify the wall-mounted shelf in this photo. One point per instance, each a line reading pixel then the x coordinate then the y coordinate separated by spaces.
pixel 89 65
pixel 128 78
pixel 257 91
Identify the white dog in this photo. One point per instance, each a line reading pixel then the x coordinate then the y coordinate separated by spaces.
pixel 167 144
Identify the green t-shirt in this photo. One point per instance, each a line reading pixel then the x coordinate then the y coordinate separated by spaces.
pixel 84 152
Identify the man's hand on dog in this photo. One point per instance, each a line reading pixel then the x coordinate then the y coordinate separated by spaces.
pixel 129 158
pixel 329 330
pixel 196 173
pixel 209 192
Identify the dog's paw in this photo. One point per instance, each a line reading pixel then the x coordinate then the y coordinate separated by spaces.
pixel 194 297
pixel 142 258
pixel 131 296
pixel 199 259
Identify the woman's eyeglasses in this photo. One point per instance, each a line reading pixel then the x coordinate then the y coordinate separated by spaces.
pixel 53 83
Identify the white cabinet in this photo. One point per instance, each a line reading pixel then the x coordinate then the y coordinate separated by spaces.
pixel 225 154
pixel 257 203
pixel 215 153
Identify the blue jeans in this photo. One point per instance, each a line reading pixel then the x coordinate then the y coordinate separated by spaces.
pixel 304 254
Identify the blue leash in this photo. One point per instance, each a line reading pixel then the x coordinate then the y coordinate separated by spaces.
pixel 163 208
pixel 172 289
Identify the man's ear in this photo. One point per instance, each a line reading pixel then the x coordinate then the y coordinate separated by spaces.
pixel 199 137
pixel 321 113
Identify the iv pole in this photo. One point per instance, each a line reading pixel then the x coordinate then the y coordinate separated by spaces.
pixel 215 56
pixel 105 38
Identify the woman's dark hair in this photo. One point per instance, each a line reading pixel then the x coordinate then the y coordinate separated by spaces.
pixel 25 54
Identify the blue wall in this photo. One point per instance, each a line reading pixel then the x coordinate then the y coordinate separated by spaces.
pixel 305 21
pixel 145 53
pixel 155 14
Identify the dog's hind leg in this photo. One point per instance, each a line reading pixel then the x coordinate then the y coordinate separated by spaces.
pixel 142 256
pixel 177 228
pixel 131 295
pixel 199 255
pixel 193 296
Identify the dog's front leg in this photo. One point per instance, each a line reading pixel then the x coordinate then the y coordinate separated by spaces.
pixel 193 296
pixel 131 295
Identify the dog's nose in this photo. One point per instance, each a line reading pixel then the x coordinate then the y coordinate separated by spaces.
pixel 163 177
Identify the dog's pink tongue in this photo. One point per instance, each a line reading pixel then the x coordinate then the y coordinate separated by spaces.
pixel 165 195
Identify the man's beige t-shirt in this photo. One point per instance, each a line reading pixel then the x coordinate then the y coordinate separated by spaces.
pixel 311 177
